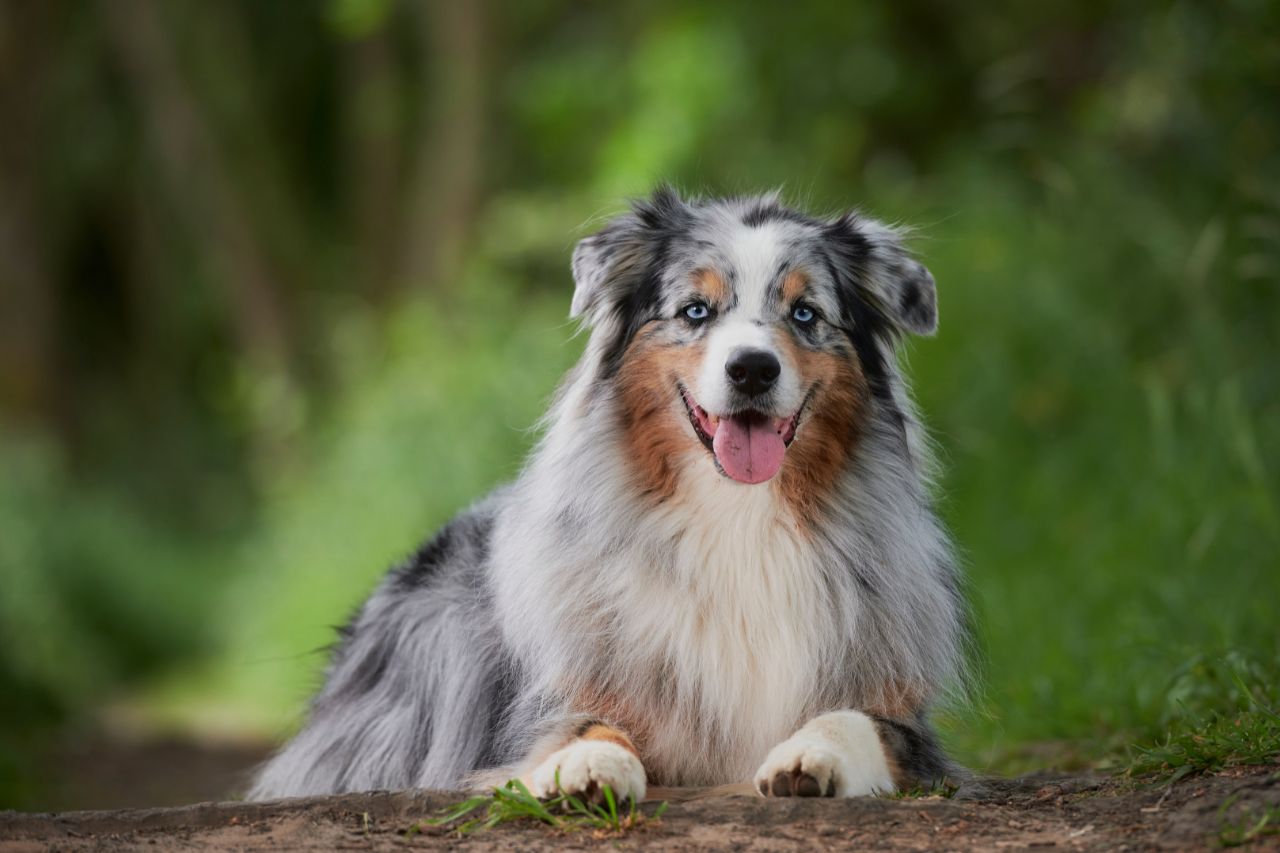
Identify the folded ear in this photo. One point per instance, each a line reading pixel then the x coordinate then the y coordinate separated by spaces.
pixel 594 258
pixel 884 271
pixel 622 247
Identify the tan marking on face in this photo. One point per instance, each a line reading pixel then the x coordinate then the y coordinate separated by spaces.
pixel 794 286
pixel 712 286
pixel 828 431
pixel 653 419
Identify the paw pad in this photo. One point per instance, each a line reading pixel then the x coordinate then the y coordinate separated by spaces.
pixel 795 783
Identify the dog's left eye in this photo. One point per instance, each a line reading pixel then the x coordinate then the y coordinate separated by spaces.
pixel 803 314
pixel 697 312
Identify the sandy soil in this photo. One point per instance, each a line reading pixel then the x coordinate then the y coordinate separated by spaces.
pixel 1040 811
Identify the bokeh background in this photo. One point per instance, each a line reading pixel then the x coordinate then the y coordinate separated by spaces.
pixel 284 285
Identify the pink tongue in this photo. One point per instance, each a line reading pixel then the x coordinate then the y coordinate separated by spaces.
pixel 749 449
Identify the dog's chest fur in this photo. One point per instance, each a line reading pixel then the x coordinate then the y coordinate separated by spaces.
pixel 706 619
pixel 736 616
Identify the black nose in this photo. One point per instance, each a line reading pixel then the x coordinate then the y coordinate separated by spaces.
pixel 753 371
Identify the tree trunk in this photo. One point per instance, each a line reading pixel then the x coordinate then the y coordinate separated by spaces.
pixel 28 307
pixel 194 170
pixel 445 185
pixel 373 146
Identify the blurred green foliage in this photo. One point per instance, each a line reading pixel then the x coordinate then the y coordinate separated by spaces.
pixel 288 287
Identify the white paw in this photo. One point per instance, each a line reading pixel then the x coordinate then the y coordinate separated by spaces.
pixel 585 767
pixel 834 755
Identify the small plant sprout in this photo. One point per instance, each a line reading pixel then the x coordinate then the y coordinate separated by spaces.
pixel 514 802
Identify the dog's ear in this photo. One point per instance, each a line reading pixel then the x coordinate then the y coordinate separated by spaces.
pixel 623 247
pixel 871 257
pixel 594 259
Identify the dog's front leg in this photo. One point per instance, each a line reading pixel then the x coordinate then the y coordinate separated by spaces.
pixel 840 754
pixel 582 759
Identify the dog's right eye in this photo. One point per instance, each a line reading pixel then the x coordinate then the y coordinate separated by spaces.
pixel 697 312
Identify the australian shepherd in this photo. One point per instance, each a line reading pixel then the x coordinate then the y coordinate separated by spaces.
pixel 719 565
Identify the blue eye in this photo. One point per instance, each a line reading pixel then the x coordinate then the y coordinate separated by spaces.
pixel 697 312
pixel 803 314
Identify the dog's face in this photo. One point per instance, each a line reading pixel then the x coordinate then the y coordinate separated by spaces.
pixel 753 331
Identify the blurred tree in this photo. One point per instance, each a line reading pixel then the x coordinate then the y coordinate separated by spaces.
pixel 445 182
pixel 194 171
pixel 28 336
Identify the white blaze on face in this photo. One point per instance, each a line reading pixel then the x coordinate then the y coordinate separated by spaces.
pixel 754 255
pixel 728 335
pixel 749 446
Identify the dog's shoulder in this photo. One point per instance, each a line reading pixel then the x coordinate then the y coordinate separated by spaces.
pixel 462 543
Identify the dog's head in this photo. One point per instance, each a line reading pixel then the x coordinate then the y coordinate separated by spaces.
pixel 758 332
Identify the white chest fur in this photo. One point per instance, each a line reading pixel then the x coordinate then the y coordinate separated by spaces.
pixel 707 616
pixel 740 618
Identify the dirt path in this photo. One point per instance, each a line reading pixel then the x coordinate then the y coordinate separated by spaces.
pixel 1064 812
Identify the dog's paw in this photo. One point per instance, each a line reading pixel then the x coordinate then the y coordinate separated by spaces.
pixel 584 767
pixel 794 769
pixel 835 755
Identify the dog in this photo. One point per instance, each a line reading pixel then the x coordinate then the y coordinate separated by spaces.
pixel 720 564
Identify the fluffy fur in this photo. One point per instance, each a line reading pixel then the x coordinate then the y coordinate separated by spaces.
pixel 625 603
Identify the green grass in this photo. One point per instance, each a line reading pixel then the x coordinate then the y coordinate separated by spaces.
pixel 1223 713
pixel 1108 433
pixel 513 803
pixel 1248 826
pixel 946 790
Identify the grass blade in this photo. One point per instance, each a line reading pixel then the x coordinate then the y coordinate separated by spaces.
pixel 514 802
pixel 460 810
pixel 613 806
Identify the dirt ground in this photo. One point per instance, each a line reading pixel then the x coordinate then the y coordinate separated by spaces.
pixel 1040 811
pixel 98 772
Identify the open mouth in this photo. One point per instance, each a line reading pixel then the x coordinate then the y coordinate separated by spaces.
pixel 748 445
